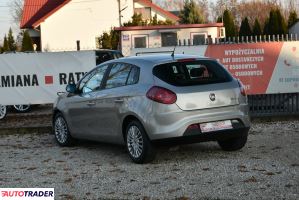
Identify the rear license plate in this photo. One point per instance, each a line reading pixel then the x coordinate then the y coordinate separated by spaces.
pixel 216 126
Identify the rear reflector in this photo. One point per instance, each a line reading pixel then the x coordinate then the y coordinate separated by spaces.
pixel 161 95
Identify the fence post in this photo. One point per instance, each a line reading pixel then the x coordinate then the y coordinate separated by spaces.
pixel 296 37
pixel 282 37
pixel 78 45
pixel 287 37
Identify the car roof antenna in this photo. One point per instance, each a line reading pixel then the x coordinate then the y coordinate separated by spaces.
pixel 172 55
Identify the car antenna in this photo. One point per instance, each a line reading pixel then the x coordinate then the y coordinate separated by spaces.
pixel 172 54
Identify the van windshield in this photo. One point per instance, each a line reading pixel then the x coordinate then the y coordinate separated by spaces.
pixel 189 73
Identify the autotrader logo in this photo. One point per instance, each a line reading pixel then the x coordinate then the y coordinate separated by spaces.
pixel 27 193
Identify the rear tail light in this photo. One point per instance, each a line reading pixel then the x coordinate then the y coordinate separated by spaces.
pixel 161 95
pixel 242 88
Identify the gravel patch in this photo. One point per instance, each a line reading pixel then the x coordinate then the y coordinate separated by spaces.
pixel 266 168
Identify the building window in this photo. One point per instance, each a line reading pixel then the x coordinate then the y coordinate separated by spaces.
pixel 145 12
pixel 199 39
pixel 140 42
pixel 222 32
pixel 169 39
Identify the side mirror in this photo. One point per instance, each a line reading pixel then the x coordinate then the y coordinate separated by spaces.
pixel 71 88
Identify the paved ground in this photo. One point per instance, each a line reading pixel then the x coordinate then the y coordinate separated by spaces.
pixel 267 168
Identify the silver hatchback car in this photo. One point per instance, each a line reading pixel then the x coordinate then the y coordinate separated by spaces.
pixel 143 101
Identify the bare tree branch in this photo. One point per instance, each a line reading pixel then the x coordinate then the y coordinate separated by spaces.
pixel 16 10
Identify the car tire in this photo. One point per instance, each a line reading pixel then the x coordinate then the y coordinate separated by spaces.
pixel 3 111
pixel 61 131
pixel 233 144
pixel 22 108
pixel 139 146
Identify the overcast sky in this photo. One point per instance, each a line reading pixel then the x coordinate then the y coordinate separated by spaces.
pixel 5 19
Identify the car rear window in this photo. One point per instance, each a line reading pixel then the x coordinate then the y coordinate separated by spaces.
pixel 192 73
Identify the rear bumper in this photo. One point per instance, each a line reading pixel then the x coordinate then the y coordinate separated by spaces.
pixel 174 123
pixel 196 137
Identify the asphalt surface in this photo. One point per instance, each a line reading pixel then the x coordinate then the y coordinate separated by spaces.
pixel 267 168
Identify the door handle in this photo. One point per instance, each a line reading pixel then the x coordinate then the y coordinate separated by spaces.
pixel 119 101
pixel 91 103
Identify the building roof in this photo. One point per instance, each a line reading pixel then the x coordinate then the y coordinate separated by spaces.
pixel 36 11
pixel 159 9
pixel 180 26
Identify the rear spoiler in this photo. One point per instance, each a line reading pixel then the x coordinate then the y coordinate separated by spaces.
pixel 153 52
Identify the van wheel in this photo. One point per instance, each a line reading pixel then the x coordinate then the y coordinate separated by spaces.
pixel 138 144
pixel 61 131
pixel 233 144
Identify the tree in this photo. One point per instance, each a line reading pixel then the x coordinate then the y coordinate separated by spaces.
pixel 293 18
pixel 245 29
pixel 219 6
pixel 109 40
pixel 273 24
pixel 251 9
pixel 16 10
pixel 27 44
pixel 190 14
pixel 228 20
pixel 136 21
pixel 266 27
pixel 256 30
pixel 11 41
pixel 5 44
pixel 154 21
pixel 282 25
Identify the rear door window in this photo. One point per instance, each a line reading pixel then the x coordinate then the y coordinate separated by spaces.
pixel 122 74
pixel 189 73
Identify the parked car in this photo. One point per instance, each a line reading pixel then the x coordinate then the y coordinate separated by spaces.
pixel 147 100
pixel 103 55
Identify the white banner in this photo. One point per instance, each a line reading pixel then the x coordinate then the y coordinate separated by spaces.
pixel 35 78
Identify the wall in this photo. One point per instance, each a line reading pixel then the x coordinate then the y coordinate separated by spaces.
pixel 154 37
pixel 153 12
pixel 84 21
pixel 263 68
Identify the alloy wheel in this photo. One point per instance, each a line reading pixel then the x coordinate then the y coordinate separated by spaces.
pixel 134 141
pixel 61 130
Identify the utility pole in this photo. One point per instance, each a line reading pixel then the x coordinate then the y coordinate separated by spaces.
pixel 120 11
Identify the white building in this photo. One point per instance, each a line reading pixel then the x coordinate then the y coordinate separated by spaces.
pixel 138 37
pixel 65 24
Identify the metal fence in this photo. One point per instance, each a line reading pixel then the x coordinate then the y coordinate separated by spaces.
pixel 273 104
